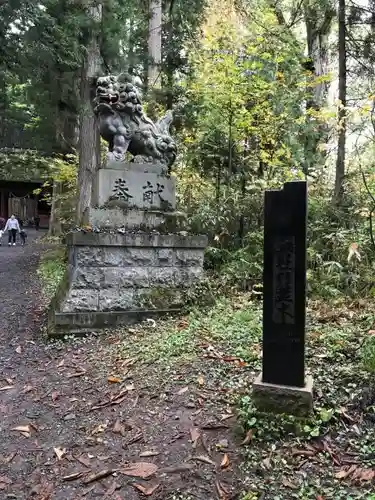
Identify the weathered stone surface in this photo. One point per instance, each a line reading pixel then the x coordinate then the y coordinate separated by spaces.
pixel 81 238
pixel 276 398
pixel 81 300
pixel 159 297
pixel 134 277
pixel 134 189
pixel 188 257
pixel 164 256
pixel 126 277
pixel 86 322
pixel 114 218
pixel 116 300
pixel 116 278
pixel 88 277
pixel 137 167
pixel 126 256
pixel 139 257
pixel 89 256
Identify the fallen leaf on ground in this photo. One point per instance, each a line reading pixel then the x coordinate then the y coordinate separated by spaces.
pixel 213 425
pixel 55 395
pixel 6 387
pixel 146 490
pixel 225 462
pixel 366 475
pixel 200 380
pixel 83 461
pixel 203 458
pixel 75 475
pixel 248 438
pixel 77 374
pixel 98 475
pixel 221 490
pixel 289 484
pixel 129 387
pixel 25 430
pixel 140 469
pixel 304 453
pixel 176 469
pixel 114 486
pixel 59 452
pixel 7 460
pixel 61 363
pixel 344 473
pixel 183 390
pixel 114 380
pixel 118 428
pixel 194 436
pixel 137 437
pixel 4 482
pixel 226 416
pixel 19 350
pixel 98 429
pixel 128 361
pixel 115 400
pixel 267 463
pixel 149 453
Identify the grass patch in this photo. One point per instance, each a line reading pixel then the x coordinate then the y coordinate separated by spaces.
pixel 288 457
pixel 233 324
pixel 51 270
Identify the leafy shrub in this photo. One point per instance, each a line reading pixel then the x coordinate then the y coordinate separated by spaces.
pixel 368 354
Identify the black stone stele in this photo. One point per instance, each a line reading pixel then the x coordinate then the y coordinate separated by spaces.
pixel 284 282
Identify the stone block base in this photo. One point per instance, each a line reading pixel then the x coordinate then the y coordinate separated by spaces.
pixel 115 279
pixel 274 398
pixel 122 218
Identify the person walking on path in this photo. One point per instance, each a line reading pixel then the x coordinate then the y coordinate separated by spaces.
pixel 23 234
pixel 12 226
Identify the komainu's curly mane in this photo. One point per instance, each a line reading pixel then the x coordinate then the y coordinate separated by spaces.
pixel 125 126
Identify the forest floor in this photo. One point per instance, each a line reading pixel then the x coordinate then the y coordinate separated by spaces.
pixel 163 410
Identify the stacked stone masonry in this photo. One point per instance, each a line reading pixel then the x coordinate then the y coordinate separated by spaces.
pixel 116 278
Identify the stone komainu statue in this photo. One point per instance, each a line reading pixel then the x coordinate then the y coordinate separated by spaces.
pixel 125 127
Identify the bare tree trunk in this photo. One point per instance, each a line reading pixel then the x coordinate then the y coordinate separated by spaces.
pixel 89 138
pixel 154 44
pixel 318 27
pixel 340 161
pixel 54 227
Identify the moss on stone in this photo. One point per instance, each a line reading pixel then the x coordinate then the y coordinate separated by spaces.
pixel 158 298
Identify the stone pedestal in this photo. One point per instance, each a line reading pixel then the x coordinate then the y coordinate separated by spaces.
pixel 129 265
pixel 275 398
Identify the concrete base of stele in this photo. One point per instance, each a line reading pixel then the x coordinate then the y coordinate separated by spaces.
pixel 273 398
pixel 116 279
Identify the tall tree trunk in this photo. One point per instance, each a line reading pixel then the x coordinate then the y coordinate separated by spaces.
pixel 89 137
pixel 340 161
pixel 154 44
pixel 318 27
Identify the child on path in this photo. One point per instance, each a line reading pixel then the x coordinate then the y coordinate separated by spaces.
pixel 23 234
pixel 12 227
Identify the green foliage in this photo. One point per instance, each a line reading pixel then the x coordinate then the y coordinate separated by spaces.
pixel 368 354
pixel 62 189
pixel 51 270
pixel 24 165
pixel 169 342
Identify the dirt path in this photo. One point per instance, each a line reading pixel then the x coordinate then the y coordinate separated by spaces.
pixel 68 431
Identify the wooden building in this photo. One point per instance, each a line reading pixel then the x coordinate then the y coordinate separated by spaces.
pixel 19 198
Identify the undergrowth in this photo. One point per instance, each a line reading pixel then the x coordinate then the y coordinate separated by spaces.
pixel 51 270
